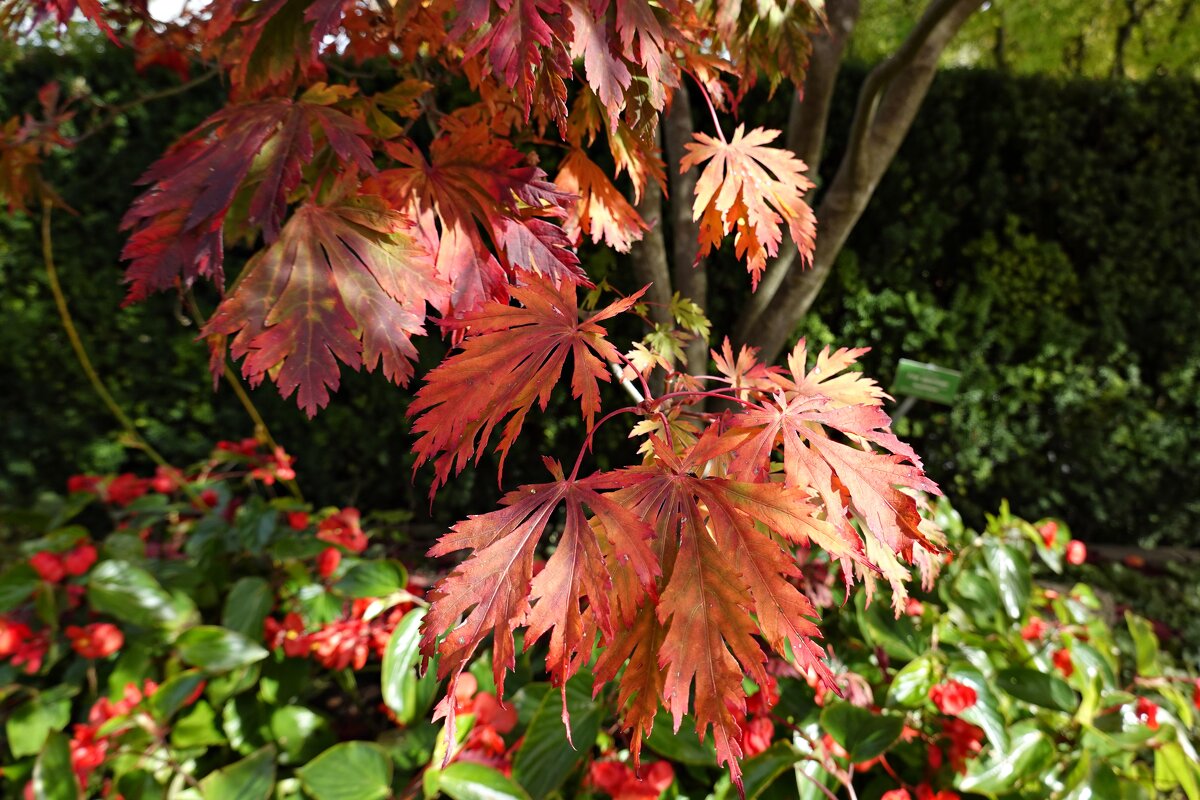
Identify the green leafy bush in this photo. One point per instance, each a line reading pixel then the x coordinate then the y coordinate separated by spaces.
pixel 201 633
pixel 1039 235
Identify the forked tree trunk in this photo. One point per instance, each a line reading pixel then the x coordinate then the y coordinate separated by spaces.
pixel 887 104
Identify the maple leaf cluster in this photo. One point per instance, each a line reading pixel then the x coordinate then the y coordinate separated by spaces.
pixel 681 570
pixel 374 215
pixel 367 227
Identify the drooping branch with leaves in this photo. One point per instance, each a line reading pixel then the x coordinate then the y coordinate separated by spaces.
pixel 383 162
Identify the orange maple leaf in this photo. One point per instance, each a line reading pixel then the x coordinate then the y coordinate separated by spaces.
pixel 749 188
pixel 511 358
pixel 602 211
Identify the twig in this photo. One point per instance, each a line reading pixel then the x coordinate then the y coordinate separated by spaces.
pixel 60 301
pixel 260 425
pixel 114 112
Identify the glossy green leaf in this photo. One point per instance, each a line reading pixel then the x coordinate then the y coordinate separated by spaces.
pixel 976 594
pixel 31 723
pixel 349 771
pixel 398 675
pixel 1010 566
pixel 174 693
pixel 252 778
pixel 546 758
pixel 813 781
pixel 910 686
pixel 373 579
pixel 244 724
pixel 197 727
pixel 16 585
pixel 899 638
pixel 1030 752
pixel 1145 645
pixel 1091 663
pixel 301 733
pixel 217 649
pixel 53 778
pixel 249 602
pixel 133 595
pixel 1038 688
pixel 860 731
pixel 1173 768
pixel 464 780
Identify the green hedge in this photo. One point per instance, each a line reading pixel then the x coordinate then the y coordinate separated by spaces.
pixel 1043 237
pixel 1040 236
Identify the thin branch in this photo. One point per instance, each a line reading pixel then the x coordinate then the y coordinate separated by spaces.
pixel 262 432
pixel 85 362
pixel 688 273
pixel 888 103
pixel 115 112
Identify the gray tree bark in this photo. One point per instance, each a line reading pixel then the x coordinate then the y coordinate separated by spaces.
pixel 887 105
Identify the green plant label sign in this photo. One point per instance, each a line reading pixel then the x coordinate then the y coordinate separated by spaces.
pixel 926 381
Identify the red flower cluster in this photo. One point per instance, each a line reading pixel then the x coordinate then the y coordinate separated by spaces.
pixel 289 635
pixel 952 697
pixel 22 646
pixel 53 567
pixel 343 530
pixel 620 782
pixel 1034 630
pixel 89 747
pixel 277 466
pixel 1147 712
pixel 485 743
pixel 247 448
pixel 1196 694
pixel 347 642
pixel 757 729
pixel 1076 552
pixel 98 640
pixel 1062 662
pixel 963 741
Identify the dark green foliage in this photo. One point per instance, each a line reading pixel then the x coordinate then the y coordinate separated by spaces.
pixel 1042 237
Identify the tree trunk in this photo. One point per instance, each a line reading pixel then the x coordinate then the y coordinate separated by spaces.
pixel 690 276
pixel 887 104
pixel 807 123
pixel 649 256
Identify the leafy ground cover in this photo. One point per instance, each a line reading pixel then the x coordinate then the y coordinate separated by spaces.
pixel 200 633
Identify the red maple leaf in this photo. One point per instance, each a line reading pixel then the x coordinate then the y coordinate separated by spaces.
pixel 473 181
pixel 851 478
pixel 494 590
pixel 727 579
pixel 748 188
pixel 601 211
pixel 511 358
pixel 177 224
pixel 519 41
pixel 345 281
pixel 603 66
